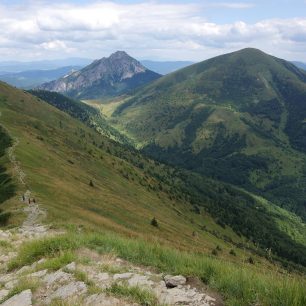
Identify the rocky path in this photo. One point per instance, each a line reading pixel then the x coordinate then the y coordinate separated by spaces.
pixel 91 280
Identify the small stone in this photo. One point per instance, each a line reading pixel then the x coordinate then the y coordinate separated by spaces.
pixel 102 277
pixel 140 280
pixel 123 276
pixel 174 281
pixel 39 273
pixel 22 299
pixel 70 267
pixel 41 261
pixel 58 276
pixel 74 288
pixel 23 270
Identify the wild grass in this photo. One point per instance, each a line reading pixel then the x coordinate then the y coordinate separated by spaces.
pixel 5 244
pixel 112 269
pixel 55 263
pixel 239 284
pixel 134 294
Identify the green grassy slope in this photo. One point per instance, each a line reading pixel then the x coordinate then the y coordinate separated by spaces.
pixel 60 155
pixel 238 118
pixel 88 115
pixel 229 206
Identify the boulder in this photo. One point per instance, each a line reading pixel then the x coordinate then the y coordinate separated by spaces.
pixel 174 281
pixel 58 277
pixel 122 276
pixel 72 289
pixel 22 299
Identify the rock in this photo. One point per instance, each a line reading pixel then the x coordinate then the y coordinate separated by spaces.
pixel 102 277
pixel 41 261
pixel 58 276
pixel 11 284
pixel 70 267
pixel 22 299
pixel 3 293
pixel 39 273
pixel 174 281
pixel 72 289
pixel 122 276
pixel 6 278
pixel 140 280
pixel 23 270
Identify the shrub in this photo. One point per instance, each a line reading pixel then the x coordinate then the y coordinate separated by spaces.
pixel 232 252
pixel 154 222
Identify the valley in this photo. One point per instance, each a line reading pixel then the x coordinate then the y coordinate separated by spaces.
pixel 184 175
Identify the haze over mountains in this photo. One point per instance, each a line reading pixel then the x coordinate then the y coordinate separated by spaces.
pixel 32 78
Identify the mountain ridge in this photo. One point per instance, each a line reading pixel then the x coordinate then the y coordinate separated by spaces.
pixel 231 117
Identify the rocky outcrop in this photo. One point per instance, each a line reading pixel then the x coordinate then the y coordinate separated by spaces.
pixel 22 299
pixel 110 76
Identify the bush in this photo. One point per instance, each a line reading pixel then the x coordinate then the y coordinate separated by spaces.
pixel 154 222
pixel 251 260
pixel 232 252
pixel 91 183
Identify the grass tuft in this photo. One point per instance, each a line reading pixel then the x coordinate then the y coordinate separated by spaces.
pixel 133 294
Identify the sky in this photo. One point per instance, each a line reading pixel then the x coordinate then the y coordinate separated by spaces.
pixel 157 30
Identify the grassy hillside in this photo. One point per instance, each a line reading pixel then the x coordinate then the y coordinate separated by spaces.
pixel 60 156
pixel 246 215
pixel 238 118
pixel 88 115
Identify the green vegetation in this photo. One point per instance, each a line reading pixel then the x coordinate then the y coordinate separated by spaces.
pixel 238 118
pixel 62 259
pixel 133 294
pixel 240 284
pixel 89 115
pixel 60 156
pixel 7 188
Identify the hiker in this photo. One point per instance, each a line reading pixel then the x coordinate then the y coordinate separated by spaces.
pixel 23 198
pixel 29 200
pixel 34 200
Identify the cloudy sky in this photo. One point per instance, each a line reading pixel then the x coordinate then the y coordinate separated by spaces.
pixel 161 30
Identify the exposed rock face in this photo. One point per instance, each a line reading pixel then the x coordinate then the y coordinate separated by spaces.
pixel 22 299
pixel 110 76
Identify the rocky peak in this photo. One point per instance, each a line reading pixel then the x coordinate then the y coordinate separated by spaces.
pixel 111 75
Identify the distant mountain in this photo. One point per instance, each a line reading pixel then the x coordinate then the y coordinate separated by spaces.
pixel 239 118
pixel 32 78
pixel 115 75
pixel 15 66
pixel 300 65
pixel 165 67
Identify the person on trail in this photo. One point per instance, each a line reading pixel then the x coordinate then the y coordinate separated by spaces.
pixel 34 200
pixel 29 201
pixel 23 198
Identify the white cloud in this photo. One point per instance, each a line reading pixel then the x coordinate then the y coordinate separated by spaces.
pixel 148 29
